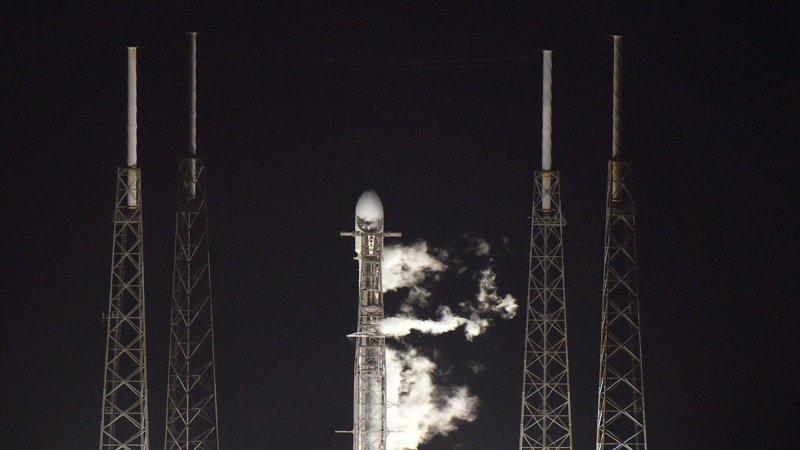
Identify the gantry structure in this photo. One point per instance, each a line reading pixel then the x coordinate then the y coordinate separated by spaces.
pixel 620 405
pixel 191 422
pixel 369 387
pixel 123 425
pixel 546 416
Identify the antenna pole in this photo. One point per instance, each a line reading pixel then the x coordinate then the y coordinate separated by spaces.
pixel 124 422
pixel 620 402
pixel 546 421
pixel 191 380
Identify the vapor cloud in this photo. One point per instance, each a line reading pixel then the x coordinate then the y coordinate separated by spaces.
pixel 413 266
pixel 418 408
pixel 402 325
pixel 409 266
pixel 489 305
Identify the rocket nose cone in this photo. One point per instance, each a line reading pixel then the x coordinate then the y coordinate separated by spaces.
pixel 369 212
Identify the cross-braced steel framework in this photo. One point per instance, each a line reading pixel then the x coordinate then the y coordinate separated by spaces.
pixel 546 419
pixel 369 417
pixel 620 409
pixel 191 386
pixel 369 391
pixel 124 418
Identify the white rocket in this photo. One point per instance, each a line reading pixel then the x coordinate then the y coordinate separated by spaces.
pixel 369 393
pixel 369 215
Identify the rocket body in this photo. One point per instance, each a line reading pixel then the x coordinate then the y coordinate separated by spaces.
pixel 369 390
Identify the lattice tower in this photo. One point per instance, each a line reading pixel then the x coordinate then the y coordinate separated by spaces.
pixel 620 405
pixel 123 425
pixel 191 422
pixel 546 415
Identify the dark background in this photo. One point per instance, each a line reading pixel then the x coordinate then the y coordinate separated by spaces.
pixel 302 107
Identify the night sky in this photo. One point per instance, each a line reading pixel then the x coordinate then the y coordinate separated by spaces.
pixel 302 107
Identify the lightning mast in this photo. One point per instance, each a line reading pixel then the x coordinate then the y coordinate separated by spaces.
pixel 620 405
pixel 123 424
pixel 546 419
pixel 369 392
pixel 191 386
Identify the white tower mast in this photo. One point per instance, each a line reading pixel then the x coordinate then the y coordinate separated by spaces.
pixel 191 381
pixel 546 417
pixel 620 402
pixel 124 416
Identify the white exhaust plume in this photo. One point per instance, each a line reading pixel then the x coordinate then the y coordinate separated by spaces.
pixel 419 409
pixel 480 312
pixel 489 305
pixel 402 325
pixel 411 266
pixel 479 246
pixel 407 266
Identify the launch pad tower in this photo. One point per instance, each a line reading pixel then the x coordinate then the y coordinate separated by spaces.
pixel 546 419
pixel 191 386
pixel 123 425
pixel 620 405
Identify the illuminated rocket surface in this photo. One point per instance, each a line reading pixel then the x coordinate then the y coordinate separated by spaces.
pixel 369 389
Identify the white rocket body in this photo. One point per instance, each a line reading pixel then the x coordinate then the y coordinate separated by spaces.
pixel 369 400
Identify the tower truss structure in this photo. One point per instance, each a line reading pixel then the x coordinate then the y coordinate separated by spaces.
pixel 369 392
pixel 620 405
pixel 620 408
pixel 546 412
pixel 124 421
pixel 123 424
pixel 191 385
pixel 191 422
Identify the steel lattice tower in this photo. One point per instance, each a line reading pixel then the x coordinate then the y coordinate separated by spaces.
pixel 124 415
pixel 546 416
pixel 369 391
pixel 620 405
pixel 191 387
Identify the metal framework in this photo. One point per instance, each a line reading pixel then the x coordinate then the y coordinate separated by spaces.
pixel 124 417
pixel 546 416
pixel 620 406
pixel 191 386
pixel 369 393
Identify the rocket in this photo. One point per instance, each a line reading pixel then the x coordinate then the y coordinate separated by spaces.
pixel 369 223
pixel 369 212
pixel 369 388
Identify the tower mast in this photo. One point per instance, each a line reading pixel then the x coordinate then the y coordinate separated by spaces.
pixel 369 391
pixel 620 404
pixel 191 386
pixel 546 418
pixel 123 424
